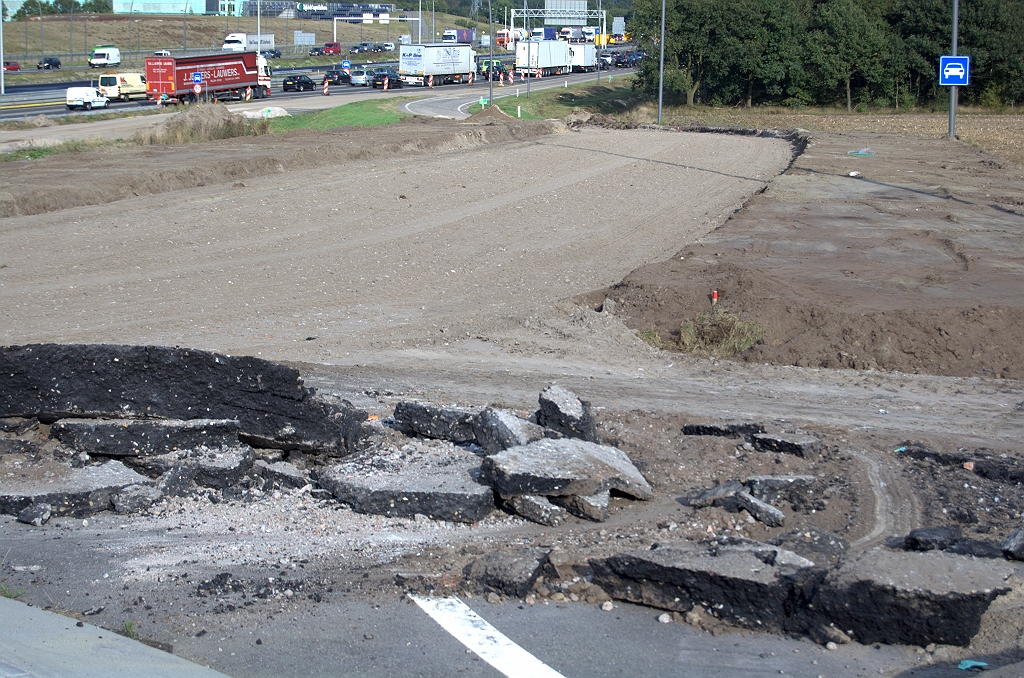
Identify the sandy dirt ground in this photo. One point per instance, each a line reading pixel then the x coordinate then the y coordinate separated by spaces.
pixel 463 263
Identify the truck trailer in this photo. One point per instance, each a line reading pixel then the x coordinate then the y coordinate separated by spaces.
pixel 248 42
pixel 221 76
pixel 583 57
pixel 447 63
pixel 544 33
pixel 550 57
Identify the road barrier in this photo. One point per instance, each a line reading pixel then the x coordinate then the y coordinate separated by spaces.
pixel 326 85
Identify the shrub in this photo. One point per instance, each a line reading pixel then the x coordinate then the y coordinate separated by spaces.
pixel 718 334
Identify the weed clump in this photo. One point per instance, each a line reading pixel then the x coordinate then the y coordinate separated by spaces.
pixel 204 122
pixel 718 334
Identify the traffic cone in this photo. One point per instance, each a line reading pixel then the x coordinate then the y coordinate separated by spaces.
pixel 326 84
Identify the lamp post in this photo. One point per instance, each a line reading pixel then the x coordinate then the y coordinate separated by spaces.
pixel 184 28
pixel 952 90
pixel 490 64
pixel 42 47
pixel 419 24
pixel 661 65
pixel 2 90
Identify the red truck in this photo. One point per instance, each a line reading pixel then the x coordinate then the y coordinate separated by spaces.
pixel 226 75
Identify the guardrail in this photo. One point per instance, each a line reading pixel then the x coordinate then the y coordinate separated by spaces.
pixel 8 101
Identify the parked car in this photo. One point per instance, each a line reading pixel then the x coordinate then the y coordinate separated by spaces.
pixel 362 77
pixel 271 54
pixel 337 77
pixel 394 78
pixel 316 51
pixel 298 83
pixel 162 52
pixel 85 97
pixel 11 66
pixel 49 63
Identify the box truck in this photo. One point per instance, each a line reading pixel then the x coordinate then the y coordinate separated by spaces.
pixel 571 34
pixel 248 42
pixel 550 57
pixel 220 76
pixel 447 63
pixel 458 36
pixel 583 57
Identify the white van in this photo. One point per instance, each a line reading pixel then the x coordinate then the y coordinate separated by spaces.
pixel 85 97
pixel 123 86
pixel 105 56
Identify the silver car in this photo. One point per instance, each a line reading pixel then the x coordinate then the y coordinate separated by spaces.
pixel 362 76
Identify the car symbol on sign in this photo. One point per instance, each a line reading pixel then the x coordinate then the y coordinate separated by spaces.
pixel 953 70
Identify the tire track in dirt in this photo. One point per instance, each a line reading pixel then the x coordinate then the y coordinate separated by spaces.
pixel 897 509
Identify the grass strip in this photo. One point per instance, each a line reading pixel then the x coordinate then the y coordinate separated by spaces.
pixel 366 113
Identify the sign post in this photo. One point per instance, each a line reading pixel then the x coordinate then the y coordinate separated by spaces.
pixel 943 67
pixel 954 72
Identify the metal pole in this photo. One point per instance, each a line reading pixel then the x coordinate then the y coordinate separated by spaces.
pixel 661 65
pixel 71 31
pixel 42 47
pixel 490 66
pixel 184 27
pixel 419 25
pixel 529 76
pixel 2 85
pixel 952 90
pixel 259 33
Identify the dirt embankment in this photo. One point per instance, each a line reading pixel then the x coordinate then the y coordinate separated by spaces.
pixel 908 260
pixel 125 172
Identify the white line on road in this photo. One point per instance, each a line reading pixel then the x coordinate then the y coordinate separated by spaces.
pixel 489 643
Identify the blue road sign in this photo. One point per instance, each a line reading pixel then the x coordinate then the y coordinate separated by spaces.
pixel 954 71
pixel 345 63
pixel 197 77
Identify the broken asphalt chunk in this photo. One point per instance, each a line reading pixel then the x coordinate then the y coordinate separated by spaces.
pixel 441 486
pixel 217 467
pixel 736 429
pixel 750 585
pixel 772 488
pixel 590 507
pixel 932 538
pixel 563 411
pixel 138 437
pixel 826 549
pixel 714 496
pixel 801 446
pixel 35 514
pixel 283 473
pixel 431 421
pixel 564 467
pixel 61 381
pixel 497 430
pixel 1013 546
pixel 512 572
pixel 135 498
pixel 766 513
pixel 538 509
pixel 78 492
pixel 912 597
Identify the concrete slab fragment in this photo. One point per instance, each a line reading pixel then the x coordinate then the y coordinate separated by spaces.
pixel 138 437
pixel 564 467
pixel 282 473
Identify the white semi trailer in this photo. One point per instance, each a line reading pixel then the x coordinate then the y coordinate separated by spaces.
pixel 446 63
pixel 550 57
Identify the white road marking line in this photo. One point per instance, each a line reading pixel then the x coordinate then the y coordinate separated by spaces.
pixel 489 643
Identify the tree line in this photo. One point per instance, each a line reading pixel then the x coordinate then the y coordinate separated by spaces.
pixel 31 8
pixel 882 53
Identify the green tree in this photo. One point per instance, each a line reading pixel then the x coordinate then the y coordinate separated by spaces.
pixel 98 6
pixel 845 44
pixel 762 42
pixel 32 8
